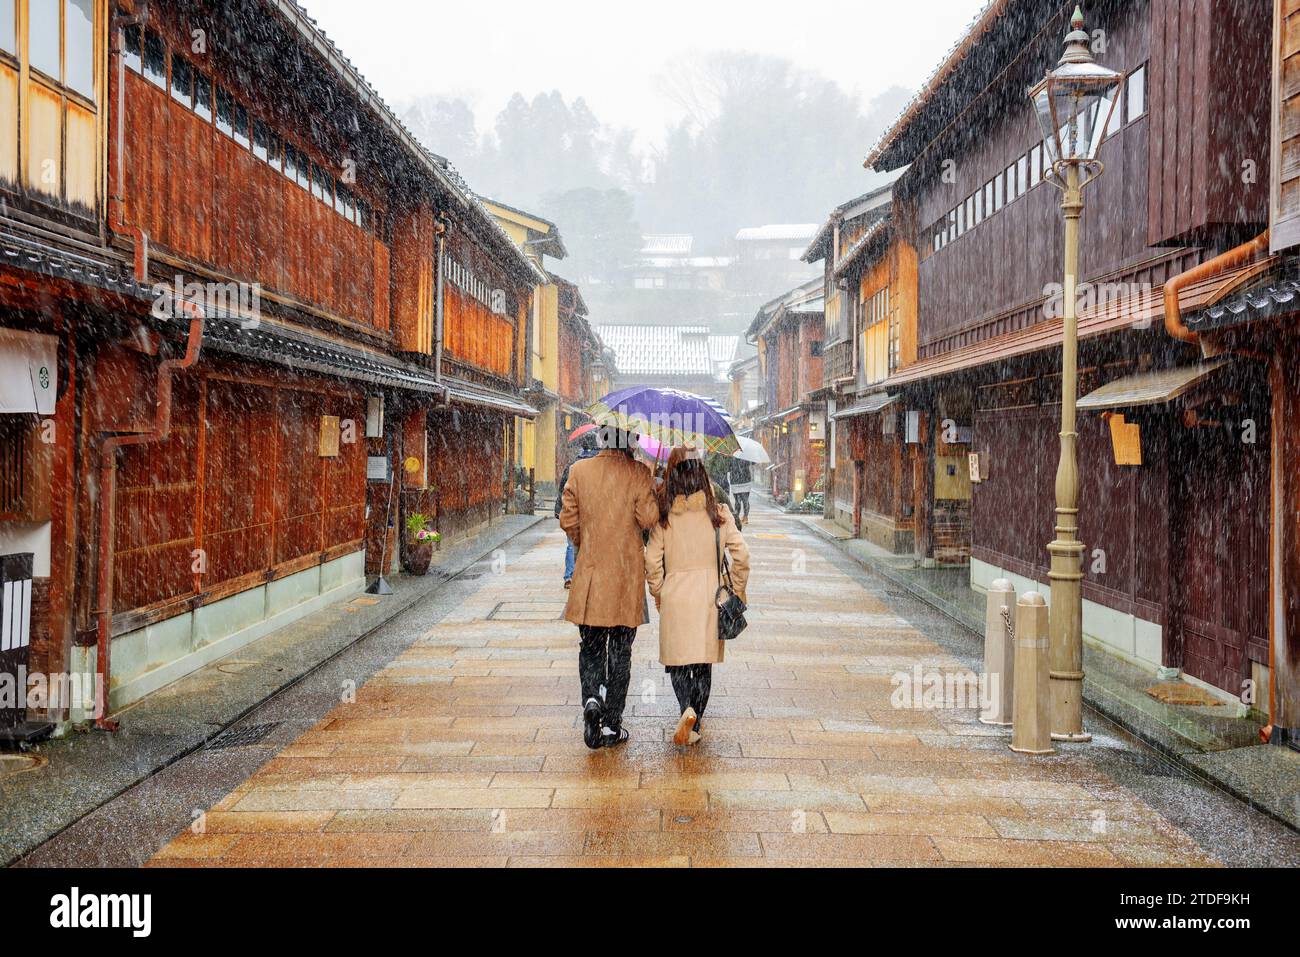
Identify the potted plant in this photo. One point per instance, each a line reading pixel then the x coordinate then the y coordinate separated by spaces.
pixel 420 539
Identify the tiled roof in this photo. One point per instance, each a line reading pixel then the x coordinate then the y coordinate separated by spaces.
pixel 978 26
pixel 722 353
pixel 804 298
pixel 660 350
pixel 874 205
pixel 1277 296
pixel 877 229
pixel 1138 312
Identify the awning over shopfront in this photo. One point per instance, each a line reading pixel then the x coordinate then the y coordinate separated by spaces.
pixel 866 406
pixel 28 372
pixel 300 351
pixel 465 393
pixel 1148 388
pixel 1138 311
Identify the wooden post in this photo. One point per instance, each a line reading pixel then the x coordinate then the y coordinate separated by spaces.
pixel 1031 731
pixel 923 484
pixel 999 653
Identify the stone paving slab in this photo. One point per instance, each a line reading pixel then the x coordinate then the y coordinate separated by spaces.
pixel 466 749
pixel 1215 743
pixel 84 770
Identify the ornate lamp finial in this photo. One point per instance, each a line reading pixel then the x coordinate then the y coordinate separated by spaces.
pixel 1077 42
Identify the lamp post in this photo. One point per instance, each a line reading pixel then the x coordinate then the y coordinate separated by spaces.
pixel 1074 104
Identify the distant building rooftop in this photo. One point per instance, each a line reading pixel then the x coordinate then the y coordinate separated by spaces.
pixel 667 244
pixel 686 351
pixel 803 232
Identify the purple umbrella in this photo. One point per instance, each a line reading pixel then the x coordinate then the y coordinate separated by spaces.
pixel 669 416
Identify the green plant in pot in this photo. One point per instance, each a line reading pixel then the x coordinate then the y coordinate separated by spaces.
pixel 418 546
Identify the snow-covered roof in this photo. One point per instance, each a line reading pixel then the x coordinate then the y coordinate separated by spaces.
pixel 686 262
pixel 722 352
pixel 669 350
pixel 776 231
pixel 870 205
pixel 667 244
pixel 809 306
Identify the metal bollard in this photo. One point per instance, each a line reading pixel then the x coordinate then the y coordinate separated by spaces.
pixel 1031 730
pixel 999 653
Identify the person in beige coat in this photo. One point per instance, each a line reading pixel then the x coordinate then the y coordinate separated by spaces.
pixel 608 502
pixel 681 567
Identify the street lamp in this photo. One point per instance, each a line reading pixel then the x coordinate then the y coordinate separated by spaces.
pixel 1074 104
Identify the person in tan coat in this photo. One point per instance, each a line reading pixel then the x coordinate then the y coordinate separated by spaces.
pixel 693 535
pixel 608 502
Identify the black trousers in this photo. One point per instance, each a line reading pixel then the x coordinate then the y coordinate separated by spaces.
pixel 605 661
pixel 742 505
pixel 691 684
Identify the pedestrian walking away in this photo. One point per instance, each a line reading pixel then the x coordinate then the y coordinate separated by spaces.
pixel 740 479
pixel 687 546
pixel 608 502
pixel 587 448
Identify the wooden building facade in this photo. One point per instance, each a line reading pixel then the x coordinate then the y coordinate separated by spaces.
pixel 791 420
pixel 871 275
pixel 263 324
pixel 1170 565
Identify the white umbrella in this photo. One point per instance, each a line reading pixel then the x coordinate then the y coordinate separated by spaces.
pixel 751 451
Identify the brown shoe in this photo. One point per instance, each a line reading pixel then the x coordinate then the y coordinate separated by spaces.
pixel 685 728
pixel 568 583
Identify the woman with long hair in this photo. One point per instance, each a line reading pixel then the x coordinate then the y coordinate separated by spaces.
pixel 687 547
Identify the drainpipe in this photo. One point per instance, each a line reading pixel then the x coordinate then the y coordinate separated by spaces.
pixel 440 230
pixel 107 500
pixel 1211 267
pixel 118 203
pixel 1174 325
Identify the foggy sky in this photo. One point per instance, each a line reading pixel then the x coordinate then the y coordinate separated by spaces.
pixel 612 52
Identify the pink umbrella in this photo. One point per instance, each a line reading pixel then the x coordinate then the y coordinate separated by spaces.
pixel 652 447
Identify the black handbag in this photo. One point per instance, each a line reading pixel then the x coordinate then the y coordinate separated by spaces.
pixel 731 610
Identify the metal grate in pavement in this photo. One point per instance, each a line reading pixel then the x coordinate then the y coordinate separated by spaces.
pixel 241 737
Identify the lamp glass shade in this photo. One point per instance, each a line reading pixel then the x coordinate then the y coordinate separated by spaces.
pixel 1074 104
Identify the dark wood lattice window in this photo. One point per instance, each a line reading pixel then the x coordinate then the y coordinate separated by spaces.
pixel 13 463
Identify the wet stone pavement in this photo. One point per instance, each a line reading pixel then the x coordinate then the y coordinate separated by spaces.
pixel 463 747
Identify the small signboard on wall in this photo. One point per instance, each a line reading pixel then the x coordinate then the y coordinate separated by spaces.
pixel 376 468
pixel 330 433
pixel 1125 440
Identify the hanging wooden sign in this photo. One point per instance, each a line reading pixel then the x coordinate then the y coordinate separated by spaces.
pixel 1125 440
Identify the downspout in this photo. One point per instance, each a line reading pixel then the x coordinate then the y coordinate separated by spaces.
pixel 440 230
pixel 1211 267
pixel 107 502
pixel 1174 325
pixel 118 203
